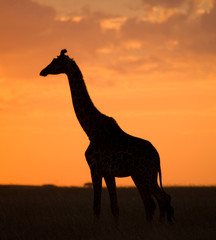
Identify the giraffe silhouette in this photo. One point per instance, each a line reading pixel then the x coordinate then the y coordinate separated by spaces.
pixel 112 152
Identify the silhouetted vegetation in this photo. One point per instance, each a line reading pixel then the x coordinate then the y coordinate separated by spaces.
pixel 49 212
pixel 88 185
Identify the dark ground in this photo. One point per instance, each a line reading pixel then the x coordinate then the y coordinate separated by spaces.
pixel 49 212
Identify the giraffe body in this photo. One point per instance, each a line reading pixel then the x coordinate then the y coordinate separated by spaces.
pixel 112 152
pixel 124 156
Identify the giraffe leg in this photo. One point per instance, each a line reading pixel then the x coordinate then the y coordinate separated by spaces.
pixel 164 203
pixel 111 185
pixel 97 185
pixel 145 194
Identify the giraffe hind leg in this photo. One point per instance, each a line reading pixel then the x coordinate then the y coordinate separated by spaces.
pixel 145 194
pixel 164 202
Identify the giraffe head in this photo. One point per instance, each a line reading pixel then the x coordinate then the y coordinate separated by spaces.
pixel 58 65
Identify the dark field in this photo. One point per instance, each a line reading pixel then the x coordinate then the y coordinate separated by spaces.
pixel 66 213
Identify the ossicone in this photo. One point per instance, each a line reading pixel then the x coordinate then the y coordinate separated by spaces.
pixel 63 51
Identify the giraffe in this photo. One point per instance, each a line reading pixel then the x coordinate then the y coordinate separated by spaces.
pixel 112 152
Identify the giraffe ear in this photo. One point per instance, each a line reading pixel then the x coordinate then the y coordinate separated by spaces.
pixel 63 51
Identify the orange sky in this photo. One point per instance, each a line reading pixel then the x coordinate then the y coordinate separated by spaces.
pixel 150 64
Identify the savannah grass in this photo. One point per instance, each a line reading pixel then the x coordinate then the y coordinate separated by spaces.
pixel 49 213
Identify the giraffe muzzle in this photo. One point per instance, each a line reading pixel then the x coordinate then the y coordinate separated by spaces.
pixel 43 73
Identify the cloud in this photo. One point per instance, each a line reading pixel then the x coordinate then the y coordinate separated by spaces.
pixel 113 23
pixel 31 32
pixel 192 34
pixel 28 25
pixel 24 29
pixel 23 24
pixel 164 3
pixel 187 4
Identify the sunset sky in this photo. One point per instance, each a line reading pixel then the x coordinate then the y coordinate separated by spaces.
pixel 150 64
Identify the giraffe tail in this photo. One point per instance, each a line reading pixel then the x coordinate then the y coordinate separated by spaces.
pixel 160 178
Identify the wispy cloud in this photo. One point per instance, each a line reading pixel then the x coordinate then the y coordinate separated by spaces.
pixel 166 28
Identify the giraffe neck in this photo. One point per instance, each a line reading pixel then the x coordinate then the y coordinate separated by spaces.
pixel 87 114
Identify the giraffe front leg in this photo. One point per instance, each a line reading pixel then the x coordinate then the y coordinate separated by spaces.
pixel 97 185
pixel 111 185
